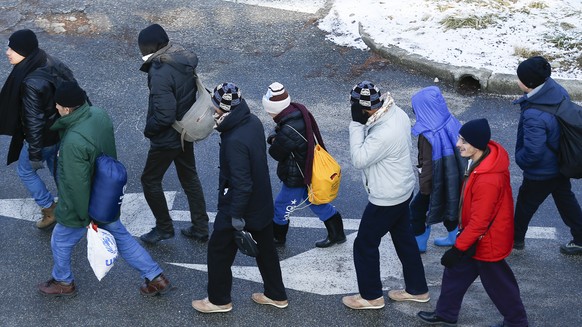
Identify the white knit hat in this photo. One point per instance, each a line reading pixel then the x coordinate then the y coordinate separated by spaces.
pixel 277 99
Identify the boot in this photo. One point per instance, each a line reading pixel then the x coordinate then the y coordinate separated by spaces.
pixel 48 219
pixel 448 240
pixel 335 232
pixel 422 239
pixel 280 234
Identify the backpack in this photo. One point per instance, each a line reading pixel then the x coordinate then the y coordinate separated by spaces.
pixel 198 121
pixel 107 189
pixel 569 152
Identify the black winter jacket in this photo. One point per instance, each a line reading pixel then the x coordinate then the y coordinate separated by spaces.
pixel 38 106
pixel 244 189
pixel 172 85
pixel 290 149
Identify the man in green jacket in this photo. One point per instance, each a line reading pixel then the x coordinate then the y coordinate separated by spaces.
pixel 86 132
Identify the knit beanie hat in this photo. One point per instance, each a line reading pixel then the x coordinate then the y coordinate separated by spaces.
pixel 226 96
pixel 534 71
pixel 277 99
pixel 367 95
pixel 70 95
pixel 23 42
pixel 477 133
pixel 152 39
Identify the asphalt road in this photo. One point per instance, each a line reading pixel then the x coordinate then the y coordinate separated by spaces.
pixel 251 46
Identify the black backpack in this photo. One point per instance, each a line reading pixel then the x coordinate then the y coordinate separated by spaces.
pixel 569 152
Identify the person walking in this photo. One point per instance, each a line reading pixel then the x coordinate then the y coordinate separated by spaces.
pixel 440 168
pixel 380 144
pixel 87 132
pixel 292 146
pixel 171 73
pixel 244 193
pixel 538 135
pixel 485 238
pixel 27 110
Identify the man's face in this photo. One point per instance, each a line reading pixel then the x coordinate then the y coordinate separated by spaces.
pixel 523 87
pixel 466 150
pixel 13 57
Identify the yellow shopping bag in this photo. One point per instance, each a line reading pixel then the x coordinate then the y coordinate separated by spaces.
pixel 325 177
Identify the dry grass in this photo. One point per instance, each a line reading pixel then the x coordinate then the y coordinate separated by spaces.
pixel 473 21
pixel 538 5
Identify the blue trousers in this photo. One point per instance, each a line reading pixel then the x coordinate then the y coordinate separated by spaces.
pixel 289 198
pixel 532 194
pixel 376 222
pixel 498 281
pixel 65 238
pixel 29 177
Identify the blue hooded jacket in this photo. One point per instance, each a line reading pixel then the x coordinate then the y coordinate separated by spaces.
pixel 537 130
pixel 441 129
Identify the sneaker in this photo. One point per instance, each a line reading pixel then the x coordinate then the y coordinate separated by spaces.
pixel 154 236
pixel 518 245
pixel 190 232
pixel 205 306
pixel 260 298
pixel 56 288
pixel 571 248
pixel 358 303
pixel 431 318
pixel 402 295
pixel 48 219
pixel 159 285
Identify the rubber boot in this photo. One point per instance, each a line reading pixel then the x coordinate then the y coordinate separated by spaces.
pixel 448 240
pixel 335 232
pixel 422 239
pixel 280 234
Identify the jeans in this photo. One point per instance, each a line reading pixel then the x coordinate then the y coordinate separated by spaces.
pixel 532 194
pixel 65 238
pixel 29 177
pixel 157 163
pixel 376 222
pixel 290 198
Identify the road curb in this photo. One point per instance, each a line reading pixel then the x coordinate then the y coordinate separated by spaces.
pixel 503 84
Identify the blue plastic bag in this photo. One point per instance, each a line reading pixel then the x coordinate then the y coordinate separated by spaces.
pixel 107 190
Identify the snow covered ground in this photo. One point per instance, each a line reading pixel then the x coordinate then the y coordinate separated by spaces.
pixel 490 34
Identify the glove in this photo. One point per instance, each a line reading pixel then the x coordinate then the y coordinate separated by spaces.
pixel 451 257
pixel 358 115
pixel 271 138
pixel 36 165
pixel 238 223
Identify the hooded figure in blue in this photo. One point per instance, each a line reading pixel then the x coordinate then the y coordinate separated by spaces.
pixel 440 168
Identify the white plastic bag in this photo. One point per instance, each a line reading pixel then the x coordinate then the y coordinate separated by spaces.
pixel 101 250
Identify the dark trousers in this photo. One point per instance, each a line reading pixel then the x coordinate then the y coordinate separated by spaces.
pixel 418 211
pixel 498 281
pixel 532 194
pixel 221 253
pixel 157 163
pixel 376 222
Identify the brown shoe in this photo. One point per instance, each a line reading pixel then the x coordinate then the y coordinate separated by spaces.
pixel 402 295
pixel 159 285
pixel 48 219
pixel 205 306
pixel 358 303
pixel 56 288
pixel 260 298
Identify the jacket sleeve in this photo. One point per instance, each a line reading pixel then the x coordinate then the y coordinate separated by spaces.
pixel 534 139
pixel 79 166
pixel 425 165
pixel 284 143
pixel 241 183
pixel 366 150
pixel 34 119
pixel 162 103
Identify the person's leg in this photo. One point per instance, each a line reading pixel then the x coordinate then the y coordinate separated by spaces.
pixel 268 263
pixel 501 286
pixel 33 183
pixel 406 248
pixel 63 240
pixel 530 197
pixel 373 226
pixel 49 155
pixel 188 176
pixel 157 163
pixel 221 253
pixel 418 209
pixel 568 207
pixel 456 281
pixel 285 203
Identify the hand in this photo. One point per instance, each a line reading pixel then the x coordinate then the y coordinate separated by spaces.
pixel 451 257
pixel 271 138
pixel 359 115
pixel 36 165
pixel 238 223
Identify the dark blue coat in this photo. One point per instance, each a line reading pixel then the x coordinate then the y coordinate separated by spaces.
pixel 537 131
pixel 244 189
